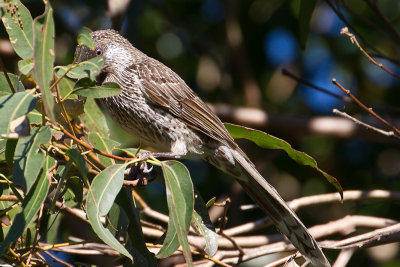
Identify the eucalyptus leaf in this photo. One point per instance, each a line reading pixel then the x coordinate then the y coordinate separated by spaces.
pixel 84 38
pixel 5 87
pixel 88 88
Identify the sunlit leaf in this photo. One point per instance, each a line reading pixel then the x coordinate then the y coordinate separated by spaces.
pixel 180 201
pixel 19 27
pixel 13 109
pixel 103 144
pixel 25 66
pixel 105 187
pixel 29 158
pixel 88 88
pixel 30 206
pixel 265 140
pixel 86 69
pixel 44 57
pixel 84 38
pixel 5 87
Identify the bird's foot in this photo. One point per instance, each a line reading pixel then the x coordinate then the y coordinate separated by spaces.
pixel 140 174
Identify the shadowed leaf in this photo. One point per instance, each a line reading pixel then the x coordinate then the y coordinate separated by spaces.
pixel 29 158
pixel 265 140
pixel 30 206
pixel 5 87
pixel 13 109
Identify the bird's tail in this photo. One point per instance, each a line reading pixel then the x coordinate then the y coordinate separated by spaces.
pixel 273 205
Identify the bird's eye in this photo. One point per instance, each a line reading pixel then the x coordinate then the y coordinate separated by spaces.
pixel 98 51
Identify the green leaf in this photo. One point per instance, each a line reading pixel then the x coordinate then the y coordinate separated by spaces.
pixel 80 162
pixel 103 144
pixel 30 206
pixel 84 38
pixel 29 158
pixel 44 57
pixel 64 171
pixel 73 194
pixel 180 201
pixel 136 242
pixel 265 140
pixel 94 119
pixel 5 87
pixel 19 27
pixel 10 150
pixel 104 189
pixel 13 109
pixel 305 14
pixel 88 88
pixel 86 69
pixel 25 66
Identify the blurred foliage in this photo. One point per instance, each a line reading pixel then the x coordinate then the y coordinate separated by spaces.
pixel 230 52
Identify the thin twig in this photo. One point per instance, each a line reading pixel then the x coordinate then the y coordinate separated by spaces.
pixel 369 110
pixel 56 259
pixel 347 116
pixel 353 39
pixel 344 257
pixel 315 87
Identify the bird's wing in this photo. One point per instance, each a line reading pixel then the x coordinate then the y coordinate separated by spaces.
pixel 164 88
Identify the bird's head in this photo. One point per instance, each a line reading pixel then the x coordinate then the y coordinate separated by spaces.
pixel 118 52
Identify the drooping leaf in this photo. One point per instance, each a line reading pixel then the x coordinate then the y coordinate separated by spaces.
pixel 305 14
pixel 44 57
pixel 265 140
pixel 84 38
pixel 105 187
pixel 88 88
pixel 19 27
pixel 94 119
pixel 30 206
pixel 136 243
pixel 29 158
pixel 5 87
pixel 180 201
pixel 25 66
pixel 103 144
pixel 13 109
pixel 86 69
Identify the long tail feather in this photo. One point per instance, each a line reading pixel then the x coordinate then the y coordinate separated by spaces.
pixel 283 217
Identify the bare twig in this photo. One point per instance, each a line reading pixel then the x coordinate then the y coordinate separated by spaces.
pixel 369 110
pixel 344 257
pixel 353 39
pixel 375 129
pixel 315 87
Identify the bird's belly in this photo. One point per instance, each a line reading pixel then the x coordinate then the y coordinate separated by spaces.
pixel 155 127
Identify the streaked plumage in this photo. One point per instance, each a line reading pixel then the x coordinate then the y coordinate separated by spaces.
pixel 158 107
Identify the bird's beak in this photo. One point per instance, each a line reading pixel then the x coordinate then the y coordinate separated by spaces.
pixel 83 53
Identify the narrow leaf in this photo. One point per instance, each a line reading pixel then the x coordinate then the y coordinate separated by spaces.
pixel 265 140
pixel 29 158
pixel 104 189
pixel 18 23
pixel 80 163
pixel 180 201
pixel 44 56
pixel 13 109
pixel 30 206
pixel 103 144
pixel 88 88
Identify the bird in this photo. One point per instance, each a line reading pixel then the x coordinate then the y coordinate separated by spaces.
pixel 158 107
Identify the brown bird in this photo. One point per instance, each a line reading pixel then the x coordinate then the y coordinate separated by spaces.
pixel 157 106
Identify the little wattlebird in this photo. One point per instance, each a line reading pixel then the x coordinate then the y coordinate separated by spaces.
pixel 157 106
